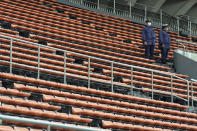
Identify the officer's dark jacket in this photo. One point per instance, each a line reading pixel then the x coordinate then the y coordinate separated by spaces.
pixel 148 35
pixel 164 38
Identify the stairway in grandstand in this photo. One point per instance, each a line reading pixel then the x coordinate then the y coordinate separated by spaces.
pixel 63 64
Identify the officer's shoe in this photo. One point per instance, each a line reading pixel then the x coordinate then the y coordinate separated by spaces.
pixel 152 58
pixel 146 57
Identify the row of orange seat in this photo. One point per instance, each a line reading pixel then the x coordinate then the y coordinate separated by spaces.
pixel 74 111
pixel 8 100
pixel 38 37
pixel 28 103
pixel 60 63
pixel 97 16
pixel 15 128
pixel 120 110
pixel 46 98
pixel 89 43
pixel 132 119
pixel 117 111
pixel 21 87
pixel 73 9
pixel 90 91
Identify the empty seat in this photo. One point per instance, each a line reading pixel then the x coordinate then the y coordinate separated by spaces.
pixel 24 33
pixel 6 25
pixel 6 128
pixel 91 34
pixel 21 129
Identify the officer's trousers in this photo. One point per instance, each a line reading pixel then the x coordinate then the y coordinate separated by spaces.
pixel 164 54
pixel 149 51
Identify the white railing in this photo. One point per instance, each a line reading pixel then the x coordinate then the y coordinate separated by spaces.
pixel 192 91
pixel 48 124
pixel 89 78
pixel 185 45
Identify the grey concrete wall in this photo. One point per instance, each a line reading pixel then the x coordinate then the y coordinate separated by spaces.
pixel 185 65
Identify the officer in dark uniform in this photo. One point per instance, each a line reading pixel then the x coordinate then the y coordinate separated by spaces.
pixel 149 39
pixel 164 43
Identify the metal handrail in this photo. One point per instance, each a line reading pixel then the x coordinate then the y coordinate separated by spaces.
pixel 184 47
pixel 92 57
pixel 186 42
pixel 192 91
pixel 194 80
pixel 48 124
pixel 95 58
pixel 58 72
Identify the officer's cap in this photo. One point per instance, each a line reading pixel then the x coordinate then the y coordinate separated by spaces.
pixel 164 25
pixel 147 21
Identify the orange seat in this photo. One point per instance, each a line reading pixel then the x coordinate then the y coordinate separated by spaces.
pixel 25 124
pixel 6 128
pixel 21 129
pixel 35 129
pixel 49 114
pixel 31 80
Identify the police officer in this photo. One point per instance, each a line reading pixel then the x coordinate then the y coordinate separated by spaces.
pixel 149 39
pixel 164 43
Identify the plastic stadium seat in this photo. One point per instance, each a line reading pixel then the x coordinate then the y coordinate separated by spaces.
pixel 8 108
pixel 144 78
pixel 99 106
pixel 109 124
pixel 50 114
pixel 21 129
pixel 35 129
pixel 13 92
pixel 12 14
pixel 6 128
pixel 75 96
pixel 24 124
pixel 87 90
pixel 134 62
pixel 29 103
pixel 8 31
pixel 55 27
pixel 23 110
pixel 51 66
pixel 25 45
pixel 34 52
pixel 166 93
pixel 40 113
pixel 136 72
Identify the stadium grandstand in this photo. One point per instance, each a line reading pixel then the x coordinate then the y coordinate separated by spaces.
pixel 79 65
